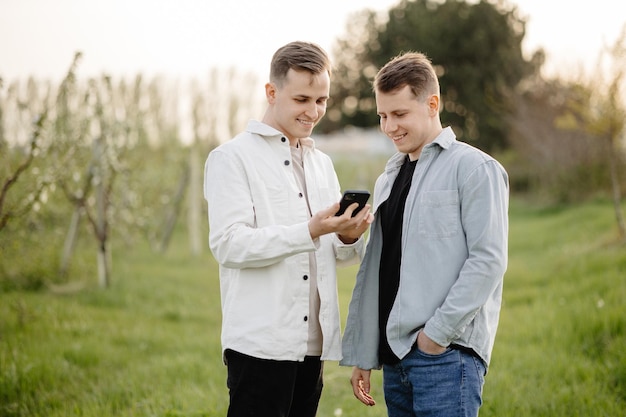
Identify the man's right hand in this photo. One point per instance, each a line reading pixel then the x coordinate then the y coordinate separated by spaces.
pixel 361 385
pixel 325 221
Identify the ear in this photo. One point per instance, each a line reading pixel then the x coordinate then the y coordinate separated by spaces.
pixel 270 92
pixel 433 105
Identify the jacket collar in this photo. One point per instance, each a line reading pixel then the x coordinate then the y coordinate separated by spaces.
pixel 267 132
pixel 445 139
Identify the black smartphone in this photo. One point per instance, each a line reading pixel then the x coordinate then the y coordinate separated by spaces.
pixel 353 196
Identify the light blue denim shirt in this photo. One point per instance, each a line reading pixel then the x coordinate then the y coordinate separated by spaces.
pixel 454 256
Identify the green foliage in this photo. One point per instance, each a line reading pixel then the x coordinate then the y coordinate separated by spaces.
pixel 567 137
pixel 558 347
pixel 112 153
pixel 141 348
pixel 31 245
pixel 61 143
pixel 476 48
pixel 150 345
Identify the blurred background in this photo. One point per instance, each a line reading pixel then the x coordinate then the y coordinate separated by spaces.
pixel 109 109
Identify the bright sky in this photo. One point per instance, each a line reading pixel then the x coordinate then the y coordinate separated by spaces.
pixel 189 37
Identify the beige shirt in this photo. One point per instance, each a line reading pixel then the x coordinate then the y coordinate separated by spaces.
pixel 315 331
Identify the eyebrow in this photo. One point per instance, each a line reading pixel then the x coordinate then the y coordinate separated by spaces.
pixel 394 111
pixel 309 97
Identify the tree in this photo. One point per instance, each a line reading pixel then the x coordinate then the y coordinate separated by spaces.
pixel 26 204
pixel 218 110
pixel 31 162
pixel 3 141
pixel 114 151
pixel 476 50
pixel 600 110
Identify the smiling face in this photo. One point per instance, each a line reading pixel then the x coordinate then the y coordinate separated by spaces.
pixel 411 123
pixel 297 103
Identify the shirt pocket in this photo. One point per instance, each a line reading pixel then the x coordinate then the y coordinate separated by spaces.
pixel 439 214
pixel 270 203
pixel 321 197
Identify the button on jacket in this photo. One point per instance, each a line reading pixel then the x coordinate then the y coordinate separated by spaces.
pixel 259 235
pixel 454 256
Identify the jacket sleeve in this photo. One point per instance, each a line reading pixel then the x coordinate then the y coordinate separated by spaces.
pixel 361 336
pixel 484 215
pixel 234 238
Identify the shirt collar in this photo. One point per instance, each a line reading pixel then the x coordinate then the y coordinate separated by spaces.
pixel 268 131
pixel 445 139
pixel 262 129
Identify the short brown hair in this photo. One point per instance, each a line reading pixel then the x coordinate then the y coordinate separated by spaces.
pixel 411 68
pixel 299 56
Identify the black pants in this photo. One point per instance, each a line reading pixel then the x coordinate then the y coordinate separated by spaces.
pixel 269 388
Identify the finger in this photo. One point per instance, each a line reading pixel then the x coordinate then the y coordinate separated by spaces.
pixel 362 396
pixel 350 210
pixel 365 397
pixel 365 384
pixel 356 217
pixel 360 387
pixel 357 390
pixel 331 210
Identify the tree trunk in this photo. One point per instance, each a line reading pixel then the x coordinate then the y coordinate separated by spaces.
pixel 103 265
pixel 101 211
pixel 70 241
pixel 173 211
pixel 617 195
pixel 195 202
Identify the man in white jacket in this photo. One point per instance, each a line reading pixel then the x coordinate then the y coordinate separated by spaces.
pixel 272 198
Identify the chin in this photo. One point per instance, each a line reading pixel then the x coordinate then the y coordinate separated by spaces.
pixel 305 133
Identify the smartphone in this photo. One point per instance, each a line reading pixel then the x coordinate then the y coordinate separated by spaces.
pixel 350 197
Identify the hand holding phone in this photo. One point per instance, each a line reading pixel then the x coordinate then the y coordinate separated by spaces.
pixel 350 197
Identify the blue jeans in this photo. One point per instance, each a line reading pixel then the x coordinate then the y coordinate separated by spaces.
pixel 445 385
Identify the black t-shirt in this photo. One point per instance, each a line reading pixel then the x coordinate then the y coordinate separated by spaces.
pixel 391 215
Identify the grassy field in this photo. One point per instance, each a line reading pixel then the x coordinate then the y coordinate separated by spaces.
pixel 149 345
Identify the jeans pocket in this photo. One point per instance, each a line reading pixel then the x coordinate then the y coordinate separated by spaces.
pixel 432 355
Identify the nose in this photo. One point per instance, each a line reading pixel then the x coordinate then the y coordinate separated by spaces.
pixel 313 111
pixel 388 125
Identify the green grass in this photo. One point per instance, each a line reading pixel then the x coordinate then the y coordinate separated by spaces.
pixel 149 345
pixel 559 350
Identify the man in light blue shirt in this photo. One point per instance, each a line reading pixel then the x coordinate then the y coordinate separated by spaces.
pixel 427 299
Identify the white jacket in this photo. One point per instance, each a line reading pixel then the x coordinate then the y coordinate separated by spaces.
pixel 259 235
